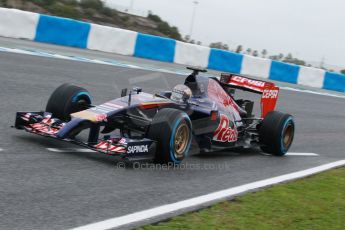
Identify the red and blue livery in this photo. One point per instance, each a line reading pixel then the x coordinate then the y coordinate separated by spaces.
pixel 160 127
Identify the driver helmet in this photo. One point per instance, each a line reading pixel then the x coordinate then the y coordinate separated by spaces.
pixel 181 93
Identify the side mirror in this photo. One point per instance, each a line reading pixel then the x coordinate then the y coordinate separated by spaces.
pixel 124 92
pixel 137 90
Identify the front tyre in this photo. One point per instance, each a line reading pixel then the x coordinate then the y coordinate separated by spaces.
pixel 67 99
pixel 276 133
pixel 172 129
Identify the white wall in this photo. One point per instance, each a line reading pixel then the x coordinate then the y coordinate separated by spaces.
pixel 190 54
pixel 311 77
pixel 256 67
pixel 18 24
pixel 113 40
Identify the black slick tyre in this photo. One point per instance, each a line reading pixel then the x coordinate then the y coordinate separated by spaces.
pixel 172 129
pixel 276 133
pixel 67 99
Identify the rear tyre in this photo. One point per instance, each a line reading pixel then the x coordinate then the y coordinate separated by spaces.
pixel 276 133
pixel 67 99
pixel 171 128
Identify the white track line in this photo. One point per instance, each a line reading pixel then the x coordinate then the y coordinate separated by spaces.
pixel 1 149
pixel 85 150
pixel 69 150
pixel 206 199
pixel 301 154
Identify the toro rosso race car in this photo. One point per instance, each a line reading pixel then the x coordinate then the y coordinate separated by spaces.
pixel 160 127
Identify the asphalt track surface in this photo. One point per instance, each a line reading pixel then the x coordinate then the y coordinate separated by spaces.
pixel 41 189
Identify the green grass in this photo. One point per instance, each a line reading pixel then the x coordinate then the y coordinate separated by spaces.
pixel 316 202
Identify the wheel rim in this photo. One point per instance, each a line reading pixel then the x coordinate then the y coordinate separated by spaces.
pixel 288 135
pixel 181 140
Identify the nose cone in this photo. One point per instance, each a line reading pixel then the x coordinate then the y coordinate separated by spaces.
pixel 89 115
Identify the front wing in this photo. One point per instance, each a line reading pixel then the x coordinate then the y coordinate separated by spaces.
pixel 42 123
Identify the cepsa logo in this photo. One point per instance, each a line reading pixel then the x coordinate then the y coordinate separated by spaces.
pixel 224 133
pixel 270 93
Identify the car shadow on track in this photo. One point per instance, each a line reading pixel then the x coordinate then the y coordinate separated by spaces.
pixel 228 153
pixel 44 143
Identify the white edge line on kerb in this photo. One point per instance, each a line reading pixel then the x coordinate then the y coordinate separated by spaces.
pixel 301 154
pixel 200 200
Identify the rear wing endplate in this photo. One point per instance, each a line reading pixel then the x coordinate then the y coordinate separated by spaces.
pixel 268 90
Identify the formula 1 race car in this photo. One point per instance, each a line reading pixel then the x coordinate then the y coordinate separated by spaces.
pixel 160 127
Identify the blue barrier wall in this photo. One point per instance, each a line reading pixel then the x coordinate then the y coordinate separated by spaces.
pixel 61 31
pixel 68 32
pixel 334 81
pixel 284 72
pixel 156 48
pixel 225 61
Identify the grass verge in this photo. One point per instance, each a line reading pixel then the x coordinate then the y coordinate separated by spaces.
pixel 315 202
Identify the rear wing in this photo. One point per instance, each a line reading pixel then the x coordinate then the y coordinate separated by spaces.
pixel 268 90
